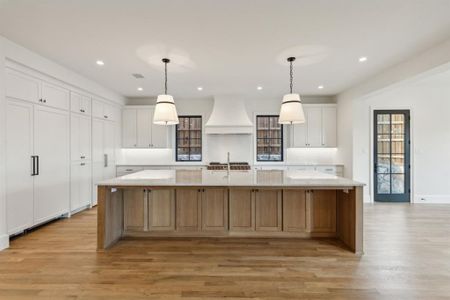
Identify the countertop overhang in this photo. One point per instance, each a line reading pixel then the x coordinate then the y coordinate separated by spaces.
pixel 253 178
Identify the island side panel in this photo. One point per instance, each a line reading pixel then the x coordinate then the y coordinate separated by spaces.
pixel 350 218
pixel 109 217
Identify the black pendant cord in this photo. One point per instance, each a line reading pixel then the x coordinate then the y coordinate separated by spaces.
pixel 291 73
pixel 165 78
pixel 165 61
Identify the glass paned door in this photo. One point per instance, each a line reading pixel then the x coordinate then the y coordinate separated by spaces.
pixel 391 156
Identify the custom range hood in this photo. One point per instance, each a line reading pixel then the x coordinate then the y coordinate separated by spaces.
pixel 228 116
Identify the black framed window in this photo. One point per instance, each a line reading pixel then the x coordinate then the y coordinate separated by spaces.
pixel 269 138
pixel 189 138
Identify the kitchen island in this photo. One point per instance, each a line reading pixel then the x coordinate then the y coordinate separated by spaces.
pixel 255 203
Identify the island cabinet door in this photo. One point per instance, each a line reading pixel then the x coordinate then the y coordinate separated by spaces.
pixel 188 209
pixel 268 209
pixel 161 210
pixel 214 209
pixel 242 210
pixel 134 205
pixel 323 211
pixel 295 211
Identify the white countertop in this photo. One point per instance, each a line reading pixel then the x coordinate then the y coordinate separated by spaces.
pixel 257 178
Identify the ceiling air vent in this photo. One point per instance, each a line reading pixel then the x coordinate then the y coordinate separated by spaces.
pixel 137 76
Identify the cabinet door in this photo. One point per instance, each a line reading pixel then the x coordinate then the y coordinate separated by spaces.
pixel 97 109
pixel 85 183
pixel 84 132
pixel 144 128
pixel 55 96
pixel 75 151
pixel 51 144
pixel 161 210
pixel 129 131
pixel 19 149
pixel 298 135
pixel 75 183
pixel 134 207
pixel 109 142
pixel 294 211
pixel 314 126
pixel 323 208
pixel 242 210
pixel 214 209
pixel 159 134
pixel 85 105
pixel 75 102
pixel 329 133
pixel 97 141
pixel 20 86
pixel 268 210
pixel 188 203
pixel 97 176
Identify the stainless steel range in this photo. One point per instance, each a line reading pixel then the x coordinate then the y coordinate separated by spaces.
pixel 234 166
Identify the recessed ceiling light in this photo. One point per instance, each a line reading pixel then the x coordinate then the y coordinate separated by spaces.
pixel 320 87
pixel 140 89
pixel 200 88
pixel 362 59
pixel 259 88
pixel 100 62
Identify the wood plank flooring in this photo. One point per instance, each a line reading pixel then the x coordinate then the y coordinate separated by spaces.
pixel 407 257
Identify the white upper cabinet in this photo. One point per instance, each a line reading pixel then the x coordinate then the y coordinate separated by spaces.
pixel 104 111
pixel 329 122
pixel 21 86
pixel 80 104
pixel 138 130
pixel 144 128
pixel 129 132
pixel 24 87
pixel 54 96
pixel 319 129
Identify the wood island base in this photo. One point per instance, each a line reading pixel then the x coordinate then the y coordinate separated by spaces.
pixel 230 212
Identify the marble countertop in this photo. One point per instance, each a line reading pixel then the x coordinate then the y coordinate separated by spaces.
pixel 254 178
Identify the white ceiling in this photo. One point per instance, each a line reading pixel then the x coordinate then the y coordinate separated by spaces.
pixel 227 47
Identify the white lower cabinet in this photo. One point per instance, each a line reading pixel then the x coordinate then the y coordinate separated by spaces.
pixel 81 185
pixel 37 168
pixel 103 153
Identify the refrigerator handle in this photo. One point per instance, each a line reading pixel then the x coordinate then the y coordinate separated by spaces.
pixel 33 163
pixel 37 165
pixel 105 157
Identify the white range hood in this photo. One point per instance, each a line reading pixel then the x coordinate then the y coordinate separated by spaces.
pixel 229 116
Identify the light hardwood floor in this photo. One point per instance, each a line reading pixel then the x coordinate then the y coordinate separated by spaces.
pixel 407 257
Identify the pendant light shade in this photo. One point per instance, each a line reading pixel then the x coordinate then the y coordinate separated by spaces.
pixel 291 111
pixel 165 110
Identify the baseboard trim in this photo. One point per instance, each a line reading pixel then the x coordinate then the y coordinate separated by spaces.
pixel 435 199
pixel 4 242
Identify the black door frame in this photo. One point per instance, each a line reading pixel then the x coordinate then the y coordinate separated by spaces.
pixel 406 196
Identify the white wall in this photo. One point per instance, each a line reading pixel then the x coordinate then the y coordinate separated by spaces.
pixel 241 147
pixel 429 103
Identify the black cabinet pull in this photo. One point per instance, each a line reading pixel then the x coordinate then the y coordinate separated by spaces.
pixel 37 165
pixel 33 165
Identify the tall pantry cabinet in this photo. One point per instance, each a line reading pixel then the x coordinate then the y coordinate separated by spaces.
pixel 37 149
pixel 59 142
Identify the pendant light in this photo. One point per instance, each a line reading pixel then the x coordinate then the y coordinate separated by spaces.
pixel 291 111
pixel 165 110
